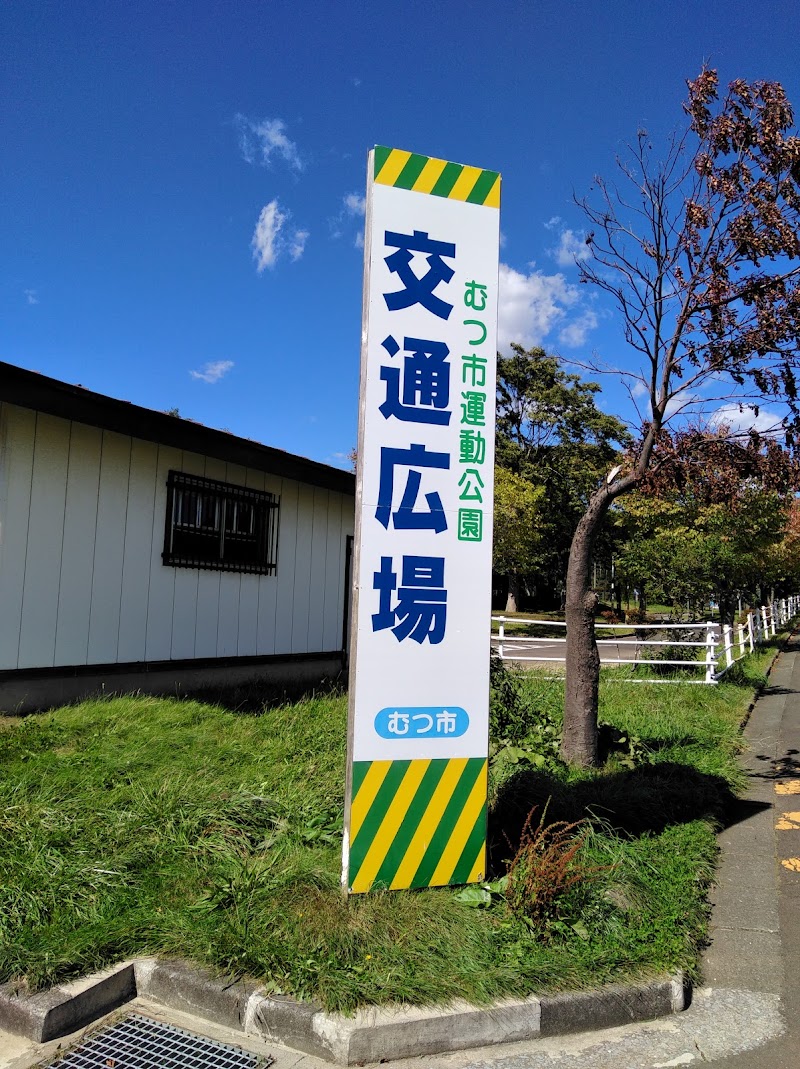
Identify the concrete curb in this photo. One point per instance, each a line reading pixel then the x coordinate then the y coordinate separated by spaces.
pixel 370 1035
pixel 51 1014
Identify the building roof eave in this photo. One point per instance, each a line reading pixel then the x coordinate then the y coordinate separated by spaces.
pixel 29 389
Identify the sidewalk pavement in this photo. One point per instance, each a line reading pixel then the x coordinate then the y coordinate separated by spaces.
pixel 756 918
pixel 748 1014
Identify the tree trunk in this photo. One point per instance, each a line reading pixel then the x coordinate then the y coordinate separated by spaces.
pixel 725 602
pixel 514 588
pixel 579 740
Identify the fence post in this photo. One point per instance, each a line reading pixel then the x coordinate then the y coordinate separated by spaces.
pixel 784 612
pixel 772 618
pixel 750 637
pixel 710 652
pixel 728 642
pixel 764 624
pixel 500 642
pixel 742 650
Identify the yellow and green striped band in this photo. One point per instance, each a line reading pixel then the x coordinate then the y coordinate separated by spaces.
pixel 424 174
pixel 417 823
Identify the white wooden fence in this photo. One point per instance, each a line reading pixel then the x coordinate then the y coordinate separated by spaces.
pixel 717 643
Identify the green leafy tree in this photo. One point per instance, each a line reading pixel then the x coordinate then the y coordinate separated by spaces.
pixel 551 436
pixel 688 555
pixel 782 571
pixel 706 520
pixel 519 527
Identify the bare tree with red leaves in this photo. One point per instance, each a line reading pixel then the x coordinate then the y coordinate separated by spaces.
pixel 701 253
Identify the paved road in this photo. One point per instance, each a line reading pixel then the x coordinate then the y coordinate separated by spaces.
pixel 550 652
pixel 547 651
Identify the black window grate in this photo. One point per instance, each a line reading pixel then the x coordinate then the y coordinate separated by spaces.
pixel 219 526
pixel 142 1043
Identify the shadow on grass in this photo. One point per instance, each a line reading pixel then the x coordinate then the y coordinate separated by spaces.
pixel 253 697
pixel 635 802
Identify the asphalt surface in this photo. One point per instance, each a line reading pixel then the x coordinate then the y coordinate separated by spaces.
pixel 551 650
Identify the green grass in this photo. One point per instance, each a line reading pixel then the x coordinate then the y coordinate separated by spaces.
pixel 140 825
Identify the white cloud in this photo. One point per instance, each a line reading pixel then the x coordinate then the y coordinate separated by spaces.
pixel 354 204
pixel 553 223
pixel 270 240
pixel 266 235
pixel 341 460
pixel 683 402
pixel 261 139
pixel 744 418
pixel 212 371
pixel 571 249
pixel 297 244
pixel 531 306
pixel 573 335
pixel 31 296
pixel 359 240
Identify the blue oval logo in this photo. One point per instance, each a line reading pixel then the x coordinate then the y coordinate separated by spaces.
pixel 422 722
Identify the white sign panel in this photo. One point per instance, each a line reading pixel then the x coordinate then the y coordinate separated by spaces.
pixel 419 688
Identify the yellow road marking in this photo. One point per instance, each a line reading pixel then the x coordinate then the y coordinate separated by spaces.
pixel 788 822
pixel 792 864
pixel 792 787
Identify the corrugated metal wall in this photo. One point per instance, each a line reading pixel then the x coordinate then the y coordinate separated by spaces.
pixel 81 535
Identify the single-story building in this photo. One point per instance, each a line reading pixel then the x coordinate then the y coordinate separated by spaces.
pixel 140 550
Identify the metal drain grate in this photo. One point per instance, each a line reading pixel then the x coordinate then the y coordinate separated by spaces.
pixel 141 1043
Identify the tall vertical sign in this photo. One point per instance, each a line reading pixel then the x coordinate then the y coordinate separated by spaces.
pixel 419 679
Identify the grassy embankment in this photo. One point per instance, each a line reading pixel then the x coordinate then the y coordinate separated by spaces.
pixel 140 825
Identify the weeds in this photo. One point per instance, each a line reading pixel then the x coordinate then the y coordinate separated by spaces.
pixel 524 727
pixel 547 863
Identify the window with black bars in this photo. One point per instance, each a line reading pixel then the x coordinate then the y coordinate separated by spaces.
pixel 221 526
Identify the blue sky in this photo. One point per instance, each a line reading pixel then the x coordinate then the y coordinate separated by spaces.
pixel 183 181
